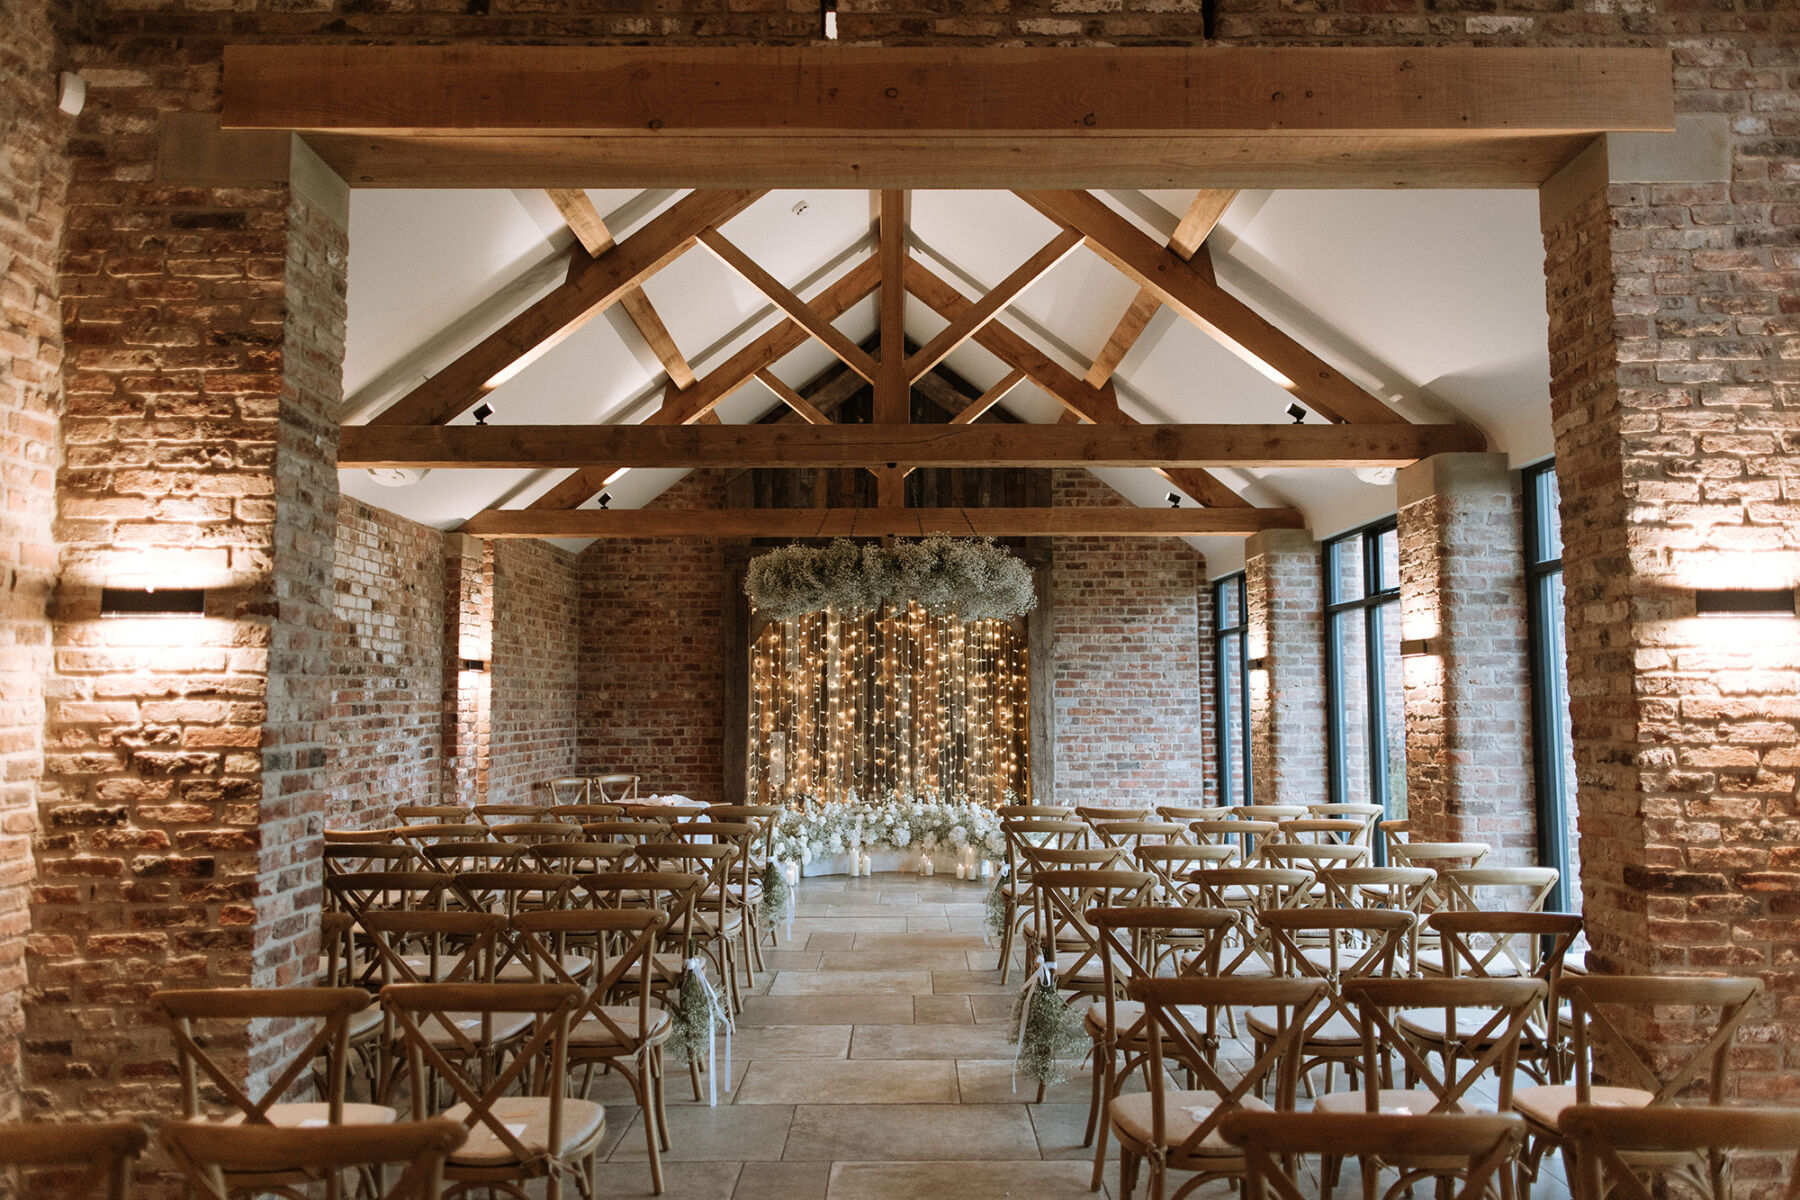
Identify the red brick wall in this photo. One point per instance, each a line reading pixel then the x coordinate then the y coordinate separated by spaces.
pixel 653 641
pixel 1285 603
pixel 34 178
pixel 387 665
pixel 534 677
pixel 1133 716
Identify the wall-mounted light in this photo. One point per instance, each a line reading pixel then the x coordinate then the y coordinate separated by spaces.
pixel 474 664
pixel 152 602
pixel 1744 602
pixel 1418 647
pixel 1259 663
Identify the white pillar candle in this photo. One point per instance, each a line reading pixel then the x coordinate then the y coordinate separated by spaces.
pixel 960 872
pixel 930 867
pixel 868 864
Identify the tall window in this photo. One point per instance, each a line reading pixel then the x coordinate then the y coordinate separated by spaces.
pixel 1365 696
pixel 1229 623
pixel 1551 745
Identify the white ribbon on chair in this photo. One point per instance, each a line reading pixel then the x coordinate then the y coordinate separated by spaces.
pixel 1044 976
pixel 715 1009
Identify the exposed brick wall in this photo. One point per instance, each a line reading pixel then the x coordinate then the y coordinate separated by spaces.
pixel 467 634
pixel 534 678
pixel 654 634
pixel 34 179
pixel 1285 603
pixel 387 665
pixel 1133 718
pixel 1468 715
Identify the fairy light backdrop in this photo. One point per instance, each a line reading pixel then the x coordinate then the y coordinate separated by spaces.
pixel 885 702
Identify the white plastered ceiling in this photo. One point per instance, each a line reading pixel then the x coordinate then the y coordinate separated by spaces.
pixel 1432 300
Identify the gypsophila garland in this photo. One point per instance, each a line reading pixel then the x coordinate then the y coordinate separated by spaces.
pixel 1049 1034
pixel 901 822
pixel 968 578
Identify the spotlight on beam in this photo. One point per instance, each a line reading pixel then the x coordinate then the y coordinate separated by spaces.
pixel 1296 412
pixel 483 411
pixel 605 499
pixel 1174 499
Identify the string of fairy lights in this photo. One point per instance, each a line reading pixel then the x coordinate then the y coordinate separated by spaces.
pixel 889 702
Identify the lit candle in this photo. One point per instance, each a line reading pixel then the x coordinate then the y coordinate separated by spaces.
pixel 930 867
pixel 961 871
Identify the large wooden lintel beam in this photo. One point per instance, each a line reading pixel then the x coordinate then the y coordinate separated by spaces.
pixel 790 523
pixel 1076 92
pixel 515 447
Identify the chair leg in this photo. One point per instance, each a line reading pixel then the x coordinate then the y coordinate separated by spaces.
pixel 1103 1126
pixel 662 1098
pixel 1006 944
pixel 645 1088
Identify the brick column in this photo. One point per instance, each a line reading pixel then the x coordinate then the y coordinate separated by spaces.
pixel 181 807
pixel 1468 714
pixel 1668 357
pixel 468 634
pixel 1284 592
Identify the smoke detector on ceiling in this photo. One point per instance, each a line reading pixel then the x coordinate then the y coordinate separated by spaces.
pixel 398 476
pixel 800 208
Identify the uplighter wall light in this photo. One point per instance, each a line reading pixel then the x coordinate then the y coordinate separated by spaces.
pixel 1418 647
pixel 1744 602
pixel 152 602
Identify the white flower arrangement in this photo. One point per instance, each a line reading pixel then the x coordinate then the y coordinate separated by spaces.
pixel 901 822
pixel 968 578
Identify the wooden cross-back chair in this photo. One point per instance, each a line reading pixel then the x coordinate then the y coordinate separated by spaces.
pixel 1274 1146
pixel 1130 835
pixel 539 1133
pixel 743 890
pixel 614 788
pixel 582 813
pixel 617 1025
pixel 1368 814
pixel 633 831
pixel 357 892
pixel 1133 945
pixel 77 1160
pixel 1639 1079
pixel 210 1155
pixel 1179 1129
pixel 443 814
pixel 1495 1012
pixel 565 790
pixel 347 858
pixel 1497 889
pixel 1333 945
pixel 1060 932
pixel 493 815
pixel 1019 834
pixel 422 836
pixel 672 893
pixel 717 922
pixel 483 857
pixel 1617 1151
pixel 1247 836
pixel 1249 891
pixel 1325 831
pixel 1173 864
pixel 193 1018
pixel 581 856
pixel 1502 945
pixel 1397 889
pixel 759 850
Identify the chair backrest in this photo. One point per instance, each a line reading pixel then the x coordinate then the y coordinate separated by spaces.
pixel 615 787
pixel 1108 812
pixel 1169 1011
pixel 581 856
pixel 332 1008
pixel 1485 1019
pixel 207 1154
pixel 1497 889
pixel 1051 812
pixel 1247 836
pixel 101 1153
pixel 1357 942
pixel 1311 856
pixel 1134 944
pixel 1063 898
pixel 580 813
pixel 1065 858
pixel 1132 834
pixel 425 1012
pixel 1487 944
pixel 1275 1145
pixel 567 789
pixel 456 858
pixel 1028 833
pixel 1184 813
pixel 674 893
pixel 357 892
pixel 496 814
pixel 446 946
pixel 513 892
pixel 350 857
pixel 621 939
pixel 626 829
pixel 1610 1144
pixel 1367 814
pixel 1591 996
pixel 1400 889
pixel 1171 865
pixel 1268 812
pixel 421 836
pixel 1249 891
pixel 1441 856
pixel 536 831
pixel 450 814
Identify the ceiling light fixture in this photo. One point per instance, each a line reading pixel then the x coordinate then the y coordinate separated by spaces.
pixel 605 499
pixel 483 411
pixel 1174 499
pixel 1296 412
pixel 829 8
pixel 1744 602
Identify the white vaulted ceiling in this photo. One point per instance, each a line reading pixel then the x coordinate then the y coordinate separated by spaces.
pixel 1433 300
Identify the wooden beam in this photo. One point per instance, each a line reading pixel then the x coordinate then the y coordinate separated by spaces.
pixel 459 386
pixel 1208 306
pixel 696 403
pixel 590 230
pixel 792 399
pixel 512 447
pixel 1197 223
pixel 798 310
pixel 893 400
pixel 1078 93
pixel 791 523
pixel 1099 405
pixel 988 307
pixel 990 398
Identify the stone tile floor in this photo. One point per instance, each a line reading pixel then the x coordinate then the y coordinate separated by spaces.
pixel 872 1063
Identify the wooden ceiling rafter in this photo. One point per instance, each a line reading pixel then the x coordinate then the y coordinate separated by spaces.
pixel 817 324
pixel 589 228
pixel 801 523
pixel 589 291
pixel 1196 225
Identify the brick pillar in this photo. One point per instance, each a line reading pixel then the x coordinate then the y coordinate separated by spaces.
pixel 1670 367
pixel 468 635
pixel 1284 592
pixel 1468 714
pixel 181 806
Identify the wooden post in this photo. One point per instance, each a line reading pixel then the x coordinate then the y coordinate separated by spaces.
pixel 1041 646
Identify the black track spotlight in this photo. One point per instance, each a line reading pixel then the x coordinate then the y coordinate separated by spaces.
pixel 1174 499
pixel 483 411
pixel 605 499
pixel 1296 412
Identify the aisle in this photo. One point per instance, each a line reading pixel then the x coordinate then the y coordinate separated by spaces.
pixel 871 1063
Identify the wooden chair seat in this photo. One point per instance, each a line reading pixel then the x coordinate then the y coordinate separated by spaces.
pixel 577 965
pixel 504 1027
pixel 528 1119
pixel 591 1033
pixel 1543 1104
pixel 316 1115
pixel 365 1023
pixel 669 967
pixel 1427 1025
pixel 1184 1111
pixel 1404 1102
pixel 1129 1014
pixel 1338 1029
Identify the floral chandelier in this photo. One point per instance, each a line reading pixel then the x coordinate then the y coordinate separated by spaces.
pixel 968 578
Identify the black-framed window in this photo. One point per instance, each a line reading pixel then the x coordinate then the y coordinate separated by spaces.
pixel 1230 621
pixel 1365 692
pixel 1552 749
